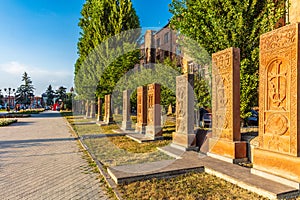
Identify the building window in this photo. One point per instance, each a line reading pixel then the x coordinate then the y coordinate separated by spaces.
pixel 158 42
pixel 166 38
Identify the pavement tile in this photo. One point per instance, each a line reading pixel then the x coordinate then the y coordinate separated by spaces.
pixel 39 159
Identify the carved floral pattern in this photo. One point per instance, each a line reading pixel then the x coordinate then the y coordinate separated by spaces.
pixel 278 130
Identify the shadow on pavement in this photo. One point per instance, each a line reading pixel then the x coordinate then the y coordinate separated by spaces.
pixel 11 143
pixel 47 114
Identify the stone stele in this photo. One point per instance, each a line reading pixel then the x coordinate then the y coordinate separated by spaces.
pixel 126 123
pixel 225 143
pixel 108 118
pixel 184 135
pixel 141 109
pixel 153 128
pixel 277 148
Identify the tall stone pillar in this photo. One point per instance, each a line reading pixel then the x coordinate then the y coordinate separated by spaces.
pixel 126 123
pixel 87 109
pixel 92 109
pixel 108 118
pixel 184 136
pixel 82 107
pixel 141 109
pixel 153 128
pixel 99 115
pixel 225 143
pixel 277 150
pixel 294 11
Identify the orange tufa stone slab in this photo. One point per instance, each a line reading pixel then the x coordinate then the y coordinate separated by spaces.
pixel 225 141
pixel 108 118
pixel 278 143
pixel 141 109
pixel 153 128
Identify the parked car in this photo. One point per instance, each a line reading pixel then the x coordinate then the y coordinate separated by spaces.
pixel 207 118
pixel 253 119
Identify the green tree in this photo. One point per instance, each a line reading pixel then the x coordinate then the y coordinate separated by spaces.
pixel 25 91
pixel 61 95
pixel 103 60
pixel 220 24
pixel 50 94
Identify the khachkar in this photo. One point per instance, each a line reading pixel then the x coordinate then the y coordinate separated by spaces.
pixel 153 128
pixel 277 148
pixel 126 123
pixel 225 143
pixel 184 137
pixel 141 109
pixel 99 111
pixel 92 109
pixel 108 118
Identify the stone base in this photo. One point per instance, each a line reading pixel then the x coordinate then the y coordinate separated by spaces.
pixel 99 118
pixel 109 121
pixel 230 149
pixel 226 159
pixel 102 123
pixel 186 141
pixel 275 178
pixel 191 148
pixel 126 126
pixel 154 132
pixel 92 115
pixel 140 128
pixel 281 165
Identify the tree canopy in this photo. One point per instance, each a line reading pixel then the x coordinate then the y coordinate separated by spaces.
pixel 103 57
pixel 220 24
pixel 50 94
pixel 25 91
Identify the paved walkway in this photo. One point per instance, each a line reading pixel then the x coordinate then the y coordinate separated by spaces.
pixel 39 159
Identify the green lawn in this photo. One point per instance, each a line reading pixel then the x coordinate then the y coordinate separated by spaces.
pixel 114 151
pixel 6 122
pixel 186 187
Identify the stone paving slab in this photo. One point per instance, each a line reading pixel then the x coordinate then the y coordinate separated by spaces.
pixel 242 177
pixel 166 168
pixel 40 159
pixel 193 161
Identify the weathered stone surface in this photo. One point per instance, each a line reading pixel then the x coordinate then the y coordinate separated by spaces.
pixel 153 128
pixel 279 133
pixel 126 123
pixel 141 109
pixel 87 109
pixel 92 109
pixel 294 11
pixel 108 118
pixel 226 105
pixel 99 115
pixel 184 135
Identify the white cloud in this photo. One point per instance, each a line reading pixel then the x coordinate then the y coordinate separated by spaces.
pixel 11 76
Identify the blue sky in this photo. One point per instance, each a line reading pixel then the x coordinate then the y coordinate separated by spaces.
pixel 40 37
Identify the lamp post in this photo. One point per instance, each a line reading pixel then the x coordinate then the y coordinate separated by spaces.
pixel 9 91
